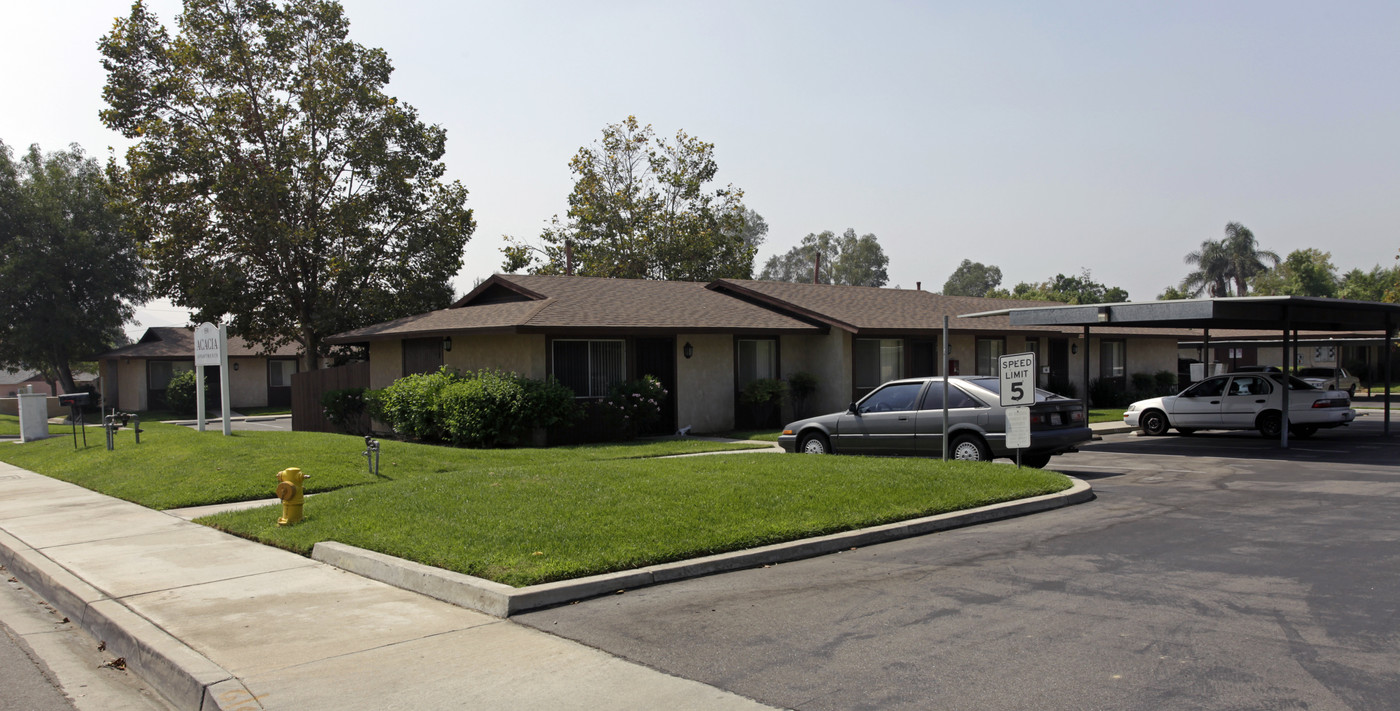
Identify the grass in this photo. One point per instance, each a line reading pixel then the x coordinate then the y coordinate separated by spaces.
pixel 9 425
pixel 263 411
pixel 1105 415
pixel 755 435
pixel 527 516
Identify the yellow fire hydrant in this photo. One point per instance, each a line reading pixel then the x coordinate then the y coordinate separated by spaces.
pixel 290 490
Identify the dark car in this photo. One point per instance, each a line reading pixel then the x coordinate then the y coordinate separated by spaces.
pixel 905 418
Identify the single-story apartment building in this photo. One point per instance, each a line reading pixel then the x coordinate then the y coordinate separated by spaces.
pixel 706 341
pixel 134 377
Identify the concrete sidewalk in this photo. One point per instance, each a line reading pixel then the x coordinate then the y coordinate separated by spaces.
pixel 218 622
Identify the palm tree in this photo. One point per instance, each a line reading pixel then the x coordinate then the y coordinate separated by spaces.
pixel 1244 257
pixel 1212 273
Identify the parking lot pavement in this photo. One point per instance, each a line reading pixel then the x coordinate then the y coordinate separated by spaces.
pixel 1213 571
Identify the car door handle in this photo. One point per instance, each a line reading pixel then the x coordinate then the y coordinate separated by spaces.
pixel 1215 402
pixel 1259 401
pixel 903 418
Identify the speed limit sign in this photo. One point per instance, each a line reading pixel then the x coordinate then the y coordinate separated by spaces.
pixel 1017 379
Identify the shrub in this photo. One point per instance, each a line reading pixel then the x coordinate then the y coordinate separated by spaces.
pixel 764 391
pixel 485 408
pixel 801 385
pixel 344 408
pixel 1143 383
pixel 180 394
pixel 1106 394
pixel 635 405
pixel 1165 380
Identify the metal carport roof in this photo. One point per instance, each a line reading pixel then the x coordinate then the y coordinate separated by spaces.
pixel 1285 314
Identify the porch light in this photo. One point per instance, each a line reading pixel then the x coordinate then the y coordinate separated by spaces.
pixel 688 350
pixel 447 343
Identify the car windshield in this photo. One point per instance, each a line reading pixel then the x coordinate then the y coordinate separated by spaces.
pixel 994 385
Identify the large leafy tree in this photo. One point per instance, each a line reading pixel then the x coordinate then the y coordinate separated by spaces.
pixel 640 210
pixel 1375 285
pixel 1080 289
pixel 273 180
pixel 1305 272
pixel 972 279
pixel 845 259
pixel 70 274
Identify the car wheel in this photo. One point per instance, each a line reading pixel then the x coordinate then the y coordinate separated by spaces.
pixel 1186 430
pixel 969 448
pixel 814 443
pixel 1035 461
pixel 1302 431
pixel 1154 423
pixel 1270 424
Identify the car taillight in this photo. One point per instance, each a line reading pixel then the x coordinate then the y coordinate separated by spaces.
pixel 1038 419
pixel 1078 416
pixel 1331 402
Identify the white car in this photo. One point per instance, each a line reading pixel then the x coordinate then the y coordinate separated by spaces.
pixel 1243 401
pixel 1330 378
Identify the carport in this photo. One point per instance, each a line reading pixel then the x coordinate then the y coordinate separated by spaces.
pixel 1290 314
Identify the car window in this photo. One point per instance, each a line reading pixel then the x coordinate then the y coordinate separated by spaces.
pixel 1294 383
pixel 1249 385
pixel 994 385
pixel 933 399
pixel 1206 388
pixel 897 397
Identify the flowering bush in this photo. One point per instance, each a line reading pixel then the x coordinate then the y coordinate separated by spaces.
pixel 635 405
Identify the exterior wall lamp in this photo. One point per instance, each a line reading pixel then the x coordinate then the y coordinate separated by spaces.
pixel 688 350
pixel 1073 348
pixel 447 343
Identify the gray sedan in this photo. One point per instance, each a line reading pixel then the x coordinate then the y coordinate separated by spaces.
pixel 905 418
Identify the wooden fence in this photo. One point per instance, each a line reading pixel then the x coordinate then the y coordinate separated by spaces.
pixel 307 388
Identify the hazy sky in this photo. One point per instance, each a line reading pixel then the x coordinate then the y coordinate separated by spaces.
pixel 1041 137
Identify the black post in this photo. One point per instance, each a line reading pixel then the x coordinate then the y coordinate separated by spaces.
pixel 1389 333
pixel 1087 404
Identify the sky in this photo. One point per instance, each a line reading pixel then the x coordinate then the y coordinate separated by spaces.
pixel 1040 137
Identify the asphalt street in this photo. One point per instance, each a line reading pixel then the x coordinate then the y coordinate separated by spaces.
pixel 1213 571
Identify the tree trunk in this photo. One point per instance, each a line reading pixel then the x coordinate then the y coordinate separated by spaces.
pixel 311 344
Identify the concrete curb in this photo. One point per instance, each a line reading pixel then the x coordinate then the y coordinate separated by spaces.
pixel 183 676
pixel 501 600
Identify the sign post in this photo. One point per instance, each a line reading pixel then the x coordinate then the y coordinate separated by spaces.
pixel 211 348
pixel 206 352
pixel 1017 395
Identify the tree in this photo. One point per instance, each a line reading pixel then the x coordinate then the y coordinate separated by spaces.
pixel 70 275
pixel 1369 286
pixel 1067 289
pixel 1173 293
pixel 1306 272
pixel 972 279
pixel 272 180
pixel 847 259
pixel 639 210
pixel 1236 258
pixel 1212 275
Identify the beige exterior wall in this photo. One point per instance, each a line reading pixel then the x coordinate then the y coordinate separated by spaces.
pixel 828 357
pixel 705 383
pixel 511 352
pixel 385 363
pixel 131 385
pixel 247 385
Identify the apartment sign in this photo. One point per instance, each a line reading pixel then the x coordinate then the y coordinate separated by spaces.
pixel 206 345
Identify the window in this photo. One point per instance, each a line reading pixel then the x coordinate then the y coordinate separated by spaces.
pixel 590 368
pixel 877 360
pixel 989 351
pixel 421 355
pixel 895 398
pixel 923 358
pixel 1249 385
pixel 159 372
pixel 757 359
pixel 1113 360
pixel 933 399
pixel 279 373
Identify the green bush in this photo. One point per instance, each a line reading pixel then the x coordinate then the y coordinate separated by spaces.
pixel 634 406
pixel 1143 383
pixel 485 408
pixel 180 394
pixel 344 408
pixel 801 385
pixel 1165 380
pixel 764 391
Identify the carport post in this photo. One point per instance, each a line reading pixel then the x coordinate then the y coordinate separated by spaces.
pixel 1389 330
pixel 1206 355
pixel 947 351
pixel 1087 404
pixel 1283 435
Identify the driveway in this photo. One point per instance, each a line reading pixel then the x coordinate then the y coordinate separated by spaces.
pixel 1215 571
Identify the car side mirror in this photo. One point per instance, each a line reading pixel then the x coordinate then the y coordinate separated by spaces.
pixel 851 409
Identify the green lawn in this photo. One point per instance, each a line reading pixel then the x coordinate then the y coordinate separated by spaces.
pixel 1105 415
pixel 527 516
pixel 9 425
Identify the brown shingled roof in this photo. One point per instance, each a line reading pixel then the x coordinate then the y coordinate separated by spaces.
pixel 178 342
pixel 867 309
pixel 559 304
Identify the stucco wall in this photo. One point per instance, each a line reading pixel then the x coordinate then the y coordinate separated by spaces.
pixel 512 352
pixel 131 385
pixel 827 357
pixel 385 363
pixel 705 383
pixel 247 385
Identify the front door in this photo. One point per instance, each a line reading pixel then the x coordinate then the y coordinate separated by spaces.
pixel 1058 356
pixel 657 357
